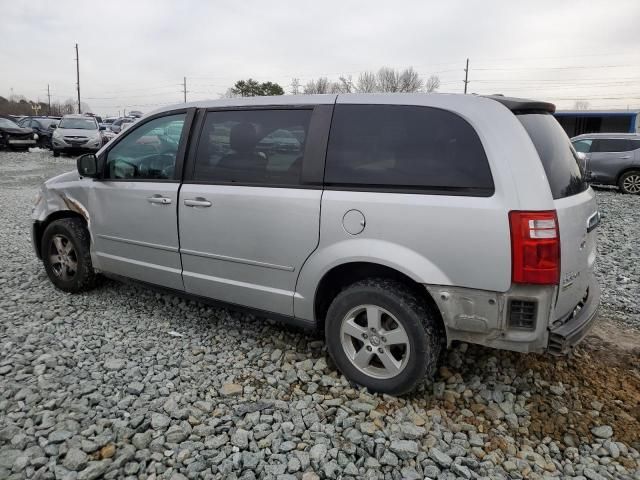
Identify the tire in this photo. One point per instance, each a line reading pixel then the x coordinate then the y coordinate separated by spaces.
pixel 404 317
pixel 629 182
pixel 56 153
pixel 66 255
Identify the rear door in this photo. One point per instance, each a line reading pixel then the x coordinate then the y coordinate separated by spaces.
pixel 575 205
pixel 249 207
pixel 610 156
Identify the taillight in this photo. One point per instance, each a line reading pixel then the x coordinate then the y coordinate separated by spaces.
pixel 535 247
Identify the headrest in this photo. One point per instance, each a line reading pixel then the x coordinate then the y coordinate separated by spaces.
pixel 243 138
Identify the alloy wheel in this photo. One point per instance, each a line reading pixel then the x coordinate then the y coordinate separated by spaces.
pixel 374 341
pixel 63 257
pixel 631 183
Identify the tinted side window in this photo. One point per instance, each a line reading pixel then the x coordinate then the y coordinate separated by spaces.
pixel 612 145
pixel 554 149
pixel 406 147
pixel 252 146
pixel 635 144
pixel 148 152
pixel 582 145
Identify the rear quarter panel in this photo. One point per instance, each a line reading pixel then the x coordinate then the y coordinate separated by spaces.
pixel 436 239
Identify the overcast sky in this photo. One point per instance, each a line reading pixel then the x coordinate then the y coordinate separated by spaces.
pixel 134 54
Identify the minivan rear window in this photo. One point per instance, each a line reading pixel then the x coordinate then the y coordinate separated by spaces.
pixel 406 148
pixel 558 157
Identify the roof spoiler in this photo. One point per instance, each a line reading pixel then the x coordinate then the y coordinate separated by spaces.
pixel 522 105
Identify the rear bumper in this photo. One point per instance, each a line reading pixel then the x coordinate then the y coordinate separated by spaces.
pixel 565 335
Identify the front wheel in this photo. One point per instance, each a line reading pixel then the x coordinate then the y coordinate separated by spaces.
pixel 382 336
pixel 66 255
pixel 630 182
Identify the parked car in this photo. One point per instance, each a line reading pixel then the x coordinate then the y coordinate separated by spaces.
pixel 611 159
pixel 76 134
pixel 107 135
pixel 399 224
pixel 15 137
pixel 116 125
pixel 42 126
pixel 127 125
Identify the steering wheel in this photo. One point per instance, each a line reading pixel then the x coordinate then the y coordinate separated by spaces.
pixel 136 170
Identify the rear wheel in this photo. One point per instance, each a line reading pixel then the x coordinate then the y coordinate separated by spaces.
pixel 382 336
pixel 66 255
pixel 630 182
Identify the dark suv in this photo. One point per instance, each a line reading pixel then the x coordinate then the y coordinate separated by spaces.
pixel 42 127
pixel 611 159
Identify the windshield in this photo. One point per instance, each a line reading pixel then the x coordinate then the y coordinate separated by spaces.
pixel 47 122
pixel 558 157
pixel 6 123
pixel 78 123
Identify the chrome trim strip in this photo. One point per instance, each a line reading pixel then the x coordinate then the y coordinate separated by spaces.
pixel 139 243
pixel 236 260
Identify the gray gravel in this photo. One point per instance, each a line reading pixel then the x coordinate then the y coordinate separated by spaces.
pixel 123 382
pixel 618 261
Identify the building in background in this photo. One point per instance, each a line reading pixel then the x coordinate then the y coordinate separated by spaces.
pixel 577 122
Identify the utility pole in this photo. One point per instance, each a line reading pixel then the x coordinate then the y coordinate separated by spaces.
pixel 184 88
pixel 78 77
pixel 49 97
pixel 466 77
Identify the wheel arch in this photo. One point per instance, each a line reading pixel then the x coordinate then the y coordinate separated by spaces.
pixel 632 168
pixel 40 227
pixel 341 276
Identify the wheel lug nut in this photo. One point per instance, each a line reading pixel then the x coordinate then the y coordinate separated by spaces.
pixel 384 339
pixel 380 350
pixel 364 335
pixel 368 348
pixel 373 329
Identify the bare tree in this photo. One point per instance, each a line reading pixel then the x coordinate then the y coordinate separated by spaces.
pixel 581 105
pixel 433 83
pixel 321 85
pixel 409 81
pixel 69 106
pixel 366 83
pixel 345 84
pixel 295 86
pixel 229 93
pixel 388 80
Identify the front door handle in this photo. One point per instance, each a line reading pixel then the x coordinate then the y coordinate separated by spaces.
pixel 626 157
pixel 197 202
pixel 159 200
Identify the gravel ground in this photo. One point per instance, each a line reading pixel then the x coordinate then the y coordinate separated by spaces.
pixel 123 382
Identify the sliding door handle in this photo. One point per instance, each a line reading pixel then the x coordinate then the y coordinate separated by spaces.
pixel 197 202
pixel 159 200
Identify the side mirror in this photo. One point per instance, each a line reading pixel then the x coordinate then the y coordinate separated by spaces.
pixel 103 127
pixel 53 126
pixel 88 165
pixel 581 156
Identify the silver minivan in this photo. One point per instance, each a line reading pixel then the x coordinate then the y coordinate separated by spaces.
pixel 396 223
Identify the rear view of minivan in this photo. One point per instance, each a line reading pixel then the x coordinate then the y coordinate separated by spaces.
pixel 397 223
